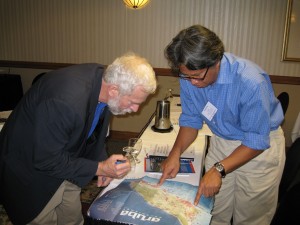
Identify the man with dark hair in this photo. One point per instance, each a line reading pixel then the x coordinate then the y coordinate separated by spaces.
pixel 234 97
pixel 53 142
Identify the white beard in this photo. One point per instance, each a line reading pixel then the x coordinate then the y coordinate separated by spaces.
pixel 114 107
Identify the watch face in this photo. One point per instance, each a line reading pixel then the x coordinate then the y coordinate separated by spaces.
pixel 220 168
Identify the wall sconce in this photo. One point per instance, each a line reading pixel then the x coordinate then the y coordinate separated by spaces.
pixel 135 4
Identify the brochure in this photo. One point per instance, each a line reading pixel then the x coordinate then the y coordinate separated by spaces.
pixel 153 164
pixel 142 201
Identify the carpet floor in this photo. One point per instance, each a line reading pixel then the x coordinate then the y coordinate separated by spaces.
pixel 89 192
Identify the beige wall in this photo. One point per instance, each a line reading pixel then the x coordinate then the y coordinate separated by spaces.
pixel 77 31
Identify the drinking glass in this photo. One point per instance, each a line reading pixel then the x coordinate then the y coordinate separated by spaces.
pixel 136 144
pixel 129 156
pixel 134 148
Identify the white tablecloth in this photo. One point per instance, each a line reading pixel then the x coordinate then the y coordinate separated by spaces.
pixel 4 114
pixel 155 143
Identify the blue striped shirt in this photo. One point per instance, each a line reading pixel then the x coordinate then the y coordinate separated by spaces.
pixel 244 100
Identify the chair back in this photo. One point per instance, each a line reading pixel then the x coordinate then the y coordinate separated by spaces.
pixel 284 98
pixel 37 77
pixel 11 91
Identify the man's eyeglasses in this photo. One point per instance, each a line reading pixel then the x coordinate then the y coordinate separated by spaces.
pixel 194 77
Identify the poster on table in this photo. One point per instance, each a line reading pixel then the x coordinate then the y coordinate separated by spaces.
pixel 142 201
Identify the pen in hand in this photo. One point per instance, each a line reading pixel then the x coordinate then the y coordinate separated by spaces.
pixel 120 161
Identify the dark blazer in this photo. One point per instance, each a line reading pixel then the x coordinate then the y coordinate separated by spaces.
pixel 45 140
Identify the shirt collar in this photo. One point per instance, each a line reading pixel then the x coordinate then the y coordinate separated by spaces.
pixel 225 73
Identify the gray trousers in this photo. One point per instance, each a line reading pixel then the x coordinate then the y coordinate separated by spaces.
pixel 64 208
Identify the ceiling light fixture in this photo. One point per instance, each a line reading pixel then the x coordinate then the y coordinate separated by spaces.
pixel 135 4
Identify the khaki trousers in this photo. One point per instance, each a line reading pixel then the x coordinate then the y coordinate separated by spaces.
pixel 64 208
pixel 249 194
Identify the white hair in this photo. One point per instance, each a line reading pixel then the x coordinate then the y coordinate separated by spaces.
pixel 130 71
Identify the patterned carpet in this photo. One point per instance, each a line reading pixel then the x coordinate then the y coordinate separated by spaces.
pixel 3 217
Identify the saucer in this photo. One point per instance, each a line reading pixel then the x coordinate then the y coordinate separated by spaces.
pixel 162 130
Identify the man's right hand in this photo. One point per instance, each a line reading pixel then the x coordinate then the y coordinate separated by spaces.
pixel 170 167
pixel 111 168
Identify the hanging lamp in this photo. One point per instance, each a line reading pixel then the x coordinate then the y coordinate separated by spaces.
pixel 135 4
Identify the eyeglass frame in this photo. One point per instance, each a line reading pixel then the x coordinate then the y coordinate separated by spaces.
pixel 187 77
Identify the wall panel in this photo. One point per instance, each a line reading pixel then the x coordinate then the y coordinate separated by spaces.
pixel 76 31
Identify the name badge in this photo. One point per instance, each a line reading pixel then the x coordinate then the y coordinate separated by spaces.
pixel 209 111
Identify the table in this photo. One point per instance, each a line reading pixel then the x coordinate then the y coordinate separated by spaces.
pixel 155 143
pixel 4 115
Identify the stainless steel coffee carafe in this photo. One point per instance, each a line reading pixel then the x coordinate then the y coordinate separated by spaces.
pixel 162 117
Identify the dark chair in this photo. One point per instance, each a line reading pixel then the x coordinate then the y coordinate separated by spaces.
pixel 11 91
pixel 289 189
pixel 283 97
pixel 37 77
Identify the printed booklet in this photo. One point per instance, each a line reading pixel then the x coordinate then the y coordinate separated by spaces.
pixel 153 164
pixel 142 201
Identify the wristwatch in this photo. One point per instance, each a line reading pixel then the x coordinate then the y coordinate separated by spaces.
pixel 219 166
